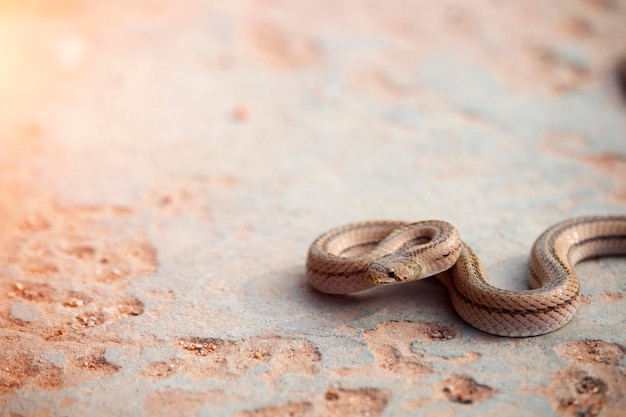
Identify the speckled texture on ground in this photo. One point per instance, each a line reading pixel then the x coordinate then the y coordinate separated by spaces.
pixel 163 169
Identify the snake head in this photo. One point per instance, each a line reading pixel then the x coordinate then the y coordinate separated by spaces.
pixel 392 269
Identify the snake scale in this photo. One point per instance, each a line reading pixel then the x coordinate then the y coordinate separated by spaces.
pixel 359 256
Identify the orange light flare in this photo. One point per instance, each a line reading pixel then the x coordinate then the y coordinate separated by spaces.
pixel 7 59
pixel 19 69
pixel 42 47
pixel 27 77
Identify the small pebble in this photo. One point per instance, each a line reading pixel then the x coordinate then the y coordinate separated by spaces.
pixel 241 113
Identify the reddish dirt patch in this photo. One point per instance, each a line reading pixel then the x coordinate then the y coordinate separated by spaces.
pixel 51 365
pixel 391 344
pixel 593 382
pixel 63 277
pixel 575 393
pixel 203 347
pixel 161 370
pixel 408 331
pixel 85 243
pixel 95 362
pixel 66 314
pixel 592 351
pixel 611 297
pixel 42 412
pixel 354 402
pixel 460 389
pixel 172 402
pixel 561 74
pixel 17 367
pixel 183 197
pixel 280 48
pixel 291 409
pixel 23 364
pixel 572 147
pixel 224 359
pixel 464 389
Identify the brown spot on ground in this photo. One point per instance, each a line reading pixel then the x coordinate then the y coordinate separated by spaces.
pixel 585 300
pixel 41 412
pixel 383 84
pixel 28 362
pixel 279 48
pixel 592 383
pixel 563 75
pixel 577 26
pixel 575 393
pixel 572 147
pixel 290 409
pixel 225 181
pixel 241 113
pixel 393 360
pixel 97 314
pixel 161 370
pixel 613 165
pixel 50 377
pixel 408 331
pixel 221 359
pixel 86 243
pixel 592 351
pixel 341 402
pixel 95 362
pixel 67 401
pixel 460 389
pixel 16 367
pixel 172 402
pixel 167 295
pixel 20 365
pixel 31 291
pixel 203 346
pixel 391 343
pixel 181 197
pixel 439 332
pixel 67 314
pixel 65 271
pixel 463 389
pixel 611 297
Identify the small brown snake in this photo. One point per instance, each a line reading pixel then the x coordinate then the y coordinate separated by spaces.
pixel 359 256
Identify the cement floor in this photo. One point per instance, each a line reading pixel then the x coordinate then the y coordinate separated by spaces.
pixel 164 168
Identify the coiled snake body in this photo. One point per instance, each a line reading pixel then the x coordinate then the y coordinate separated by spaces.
pixel 359 256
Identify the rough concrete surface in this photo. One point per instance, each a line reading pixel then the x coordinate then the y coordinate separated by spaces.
pixel 164 167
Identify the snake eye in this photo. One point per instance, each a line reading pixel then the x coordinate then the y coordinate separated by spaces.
pixel 392 274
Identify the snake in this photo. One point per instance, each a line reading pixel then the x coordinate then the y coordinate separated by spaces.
pixel 359 256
